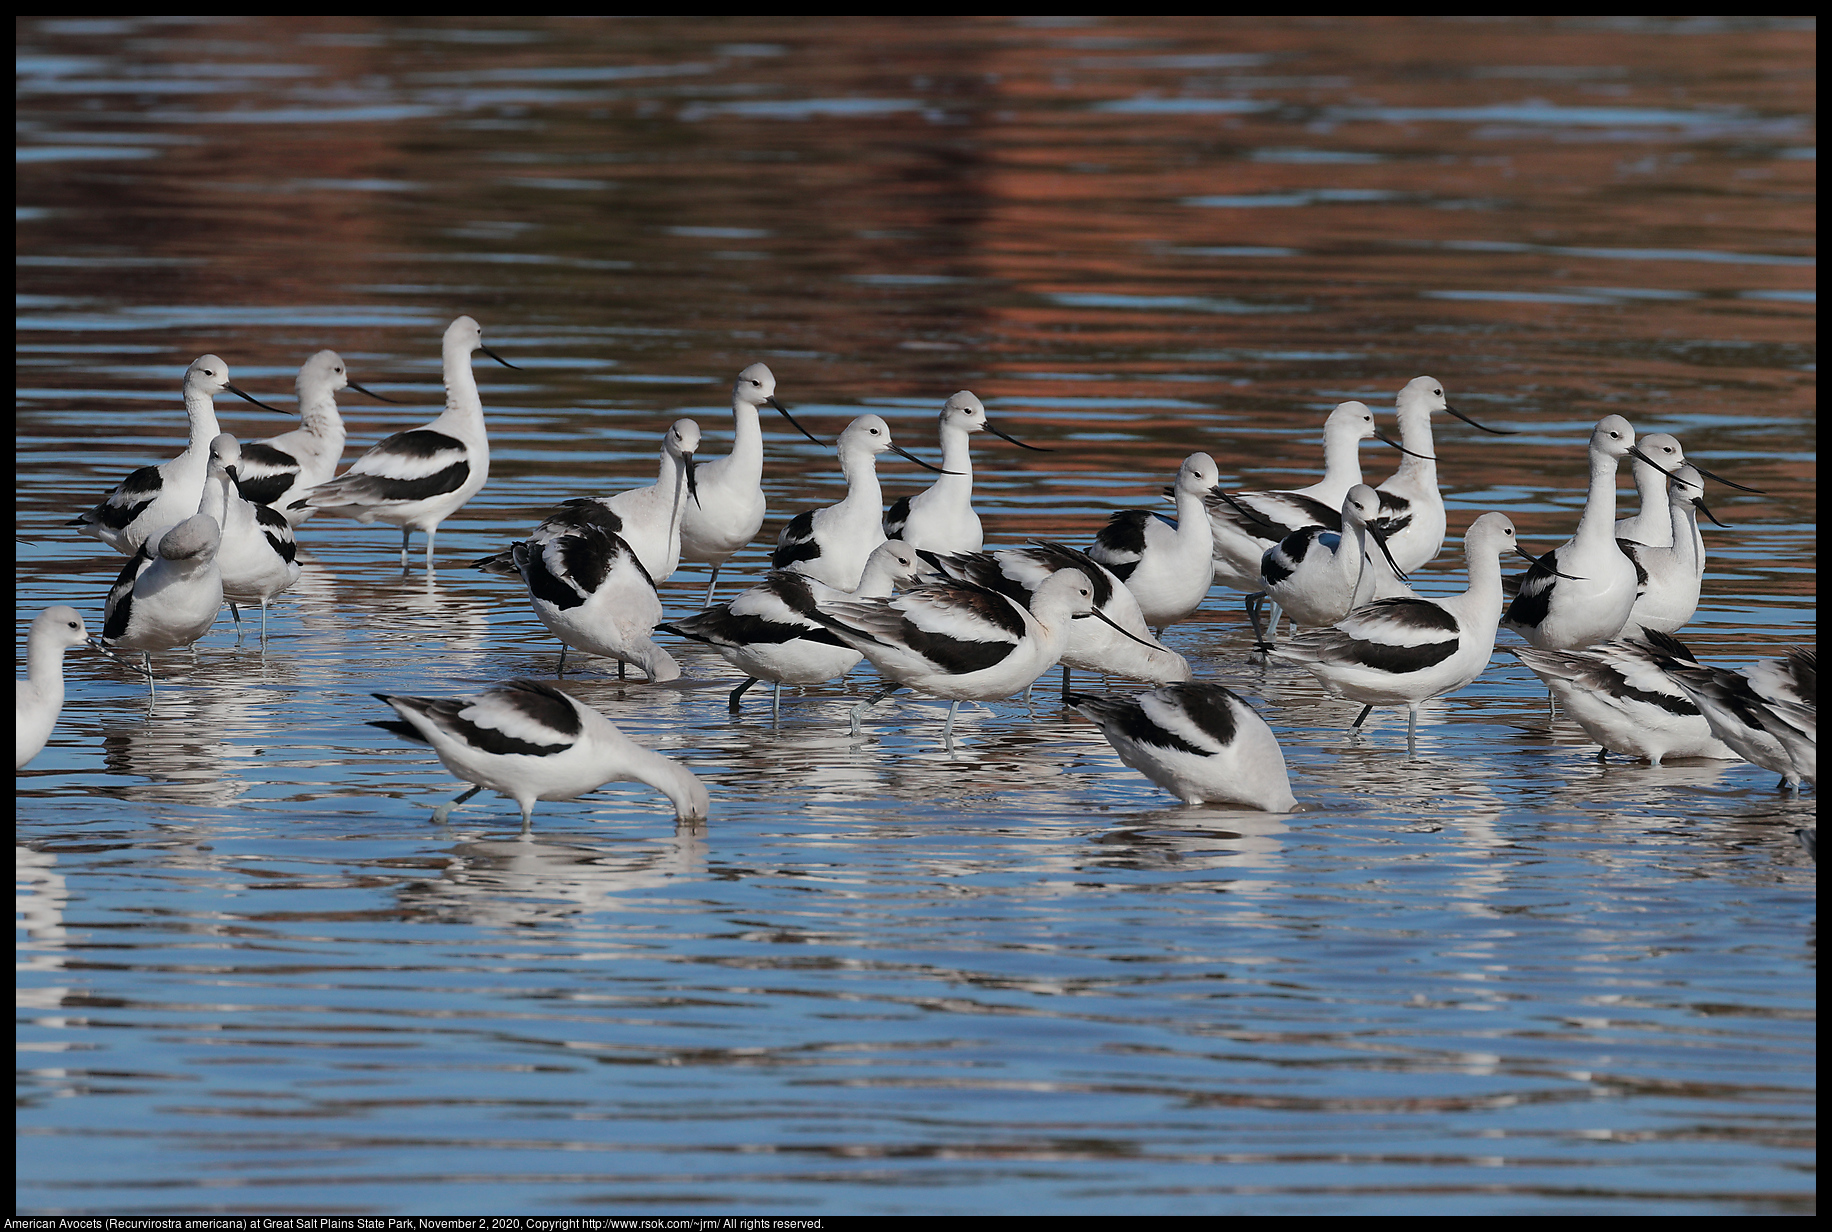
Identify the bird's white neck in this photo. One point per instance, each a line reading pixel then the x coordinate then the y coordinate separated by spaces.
pixel 463 406
pixel 1599 520
pixel 1342 460
pixel 200 407
pixel 662 773
pixel 860 467
pixel 319 415
pixel 44 668
pixel 747 442
pixel 1651 486
pixel 1415 435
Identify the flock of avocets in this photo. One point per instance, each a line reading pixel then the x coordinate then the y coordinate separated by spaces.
pixel 912 590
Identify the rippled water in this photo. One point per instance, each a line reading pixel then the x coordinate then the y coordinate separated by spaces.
pixel 1500 978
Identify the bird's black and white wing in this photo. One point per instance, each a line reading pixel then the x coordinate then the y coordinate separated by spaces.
pixel 1120 544
pixel 265 473
pixel 1270 515
pixel 896 518
pixel 118 609
pixel 1387 635
pixel 566 570
pixel 519 717
pixel 128 501
pixel 277 531
pixel 1198 719
pixel 955 628
pixel 779 609
pixel 797 542
pixel 405 468
pixel 1533 599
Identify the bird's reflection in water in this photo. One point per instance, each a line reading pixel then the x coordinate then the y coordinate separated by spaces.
pixel 532 879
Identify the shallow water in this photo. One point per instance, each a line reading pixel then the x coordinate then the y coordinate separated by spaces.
pixel 1501 977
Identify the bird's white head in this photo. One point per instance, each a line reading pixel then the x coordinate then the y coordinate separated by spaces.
pixel 207 375
pixel 59 626
pixel 964 411
pixel 1351 419
pixel 1198 474
pixel 682 439
pixel 225 454
pixel 1490 533
pixel 755 385
pixel 868 432
pixel 1613 437
pixel 322 374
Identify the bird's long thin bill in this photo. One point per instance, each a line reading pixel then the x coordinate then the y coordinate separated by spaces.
pixel 1727 483
pixel 1380 537
pixel 1109 623
pixel 1384 439
pixel 1006 436
pixel 1634 451
pixel 493 355
pixel 1472 423
pixel 693 486
pixel 1699 503
pixel 1541 560
pixel 902 452
pixel 246 397
pixel 378 397
pixel 784 412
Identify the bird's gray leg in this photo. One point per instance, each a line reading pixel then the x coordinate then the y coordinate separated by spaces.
pixel 445 810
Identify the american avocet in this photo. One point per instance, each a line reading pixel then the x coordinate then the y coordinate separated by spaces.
pixel 650 518
pixel 155 497
pixel 1668 579
pixel 1402 652
pixel 1319 576
pixel 831 545
pixel 647 519
pixel 941 518
pixel 1581 593
pixel 529 741
pixel 279 468
pixel 417 479
pixel 1167 566
pixel 1245 524
pixel 1768 712
pixel 256 557
pixel 1652 523
pixel 1411 506
pixel 40 696
pixel 1197 741
pixel 771 631
pixel 1091 645
pixel 168 595
pixel 589 587
pixel 730 508
pixel 1622 697
pixel 959 641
